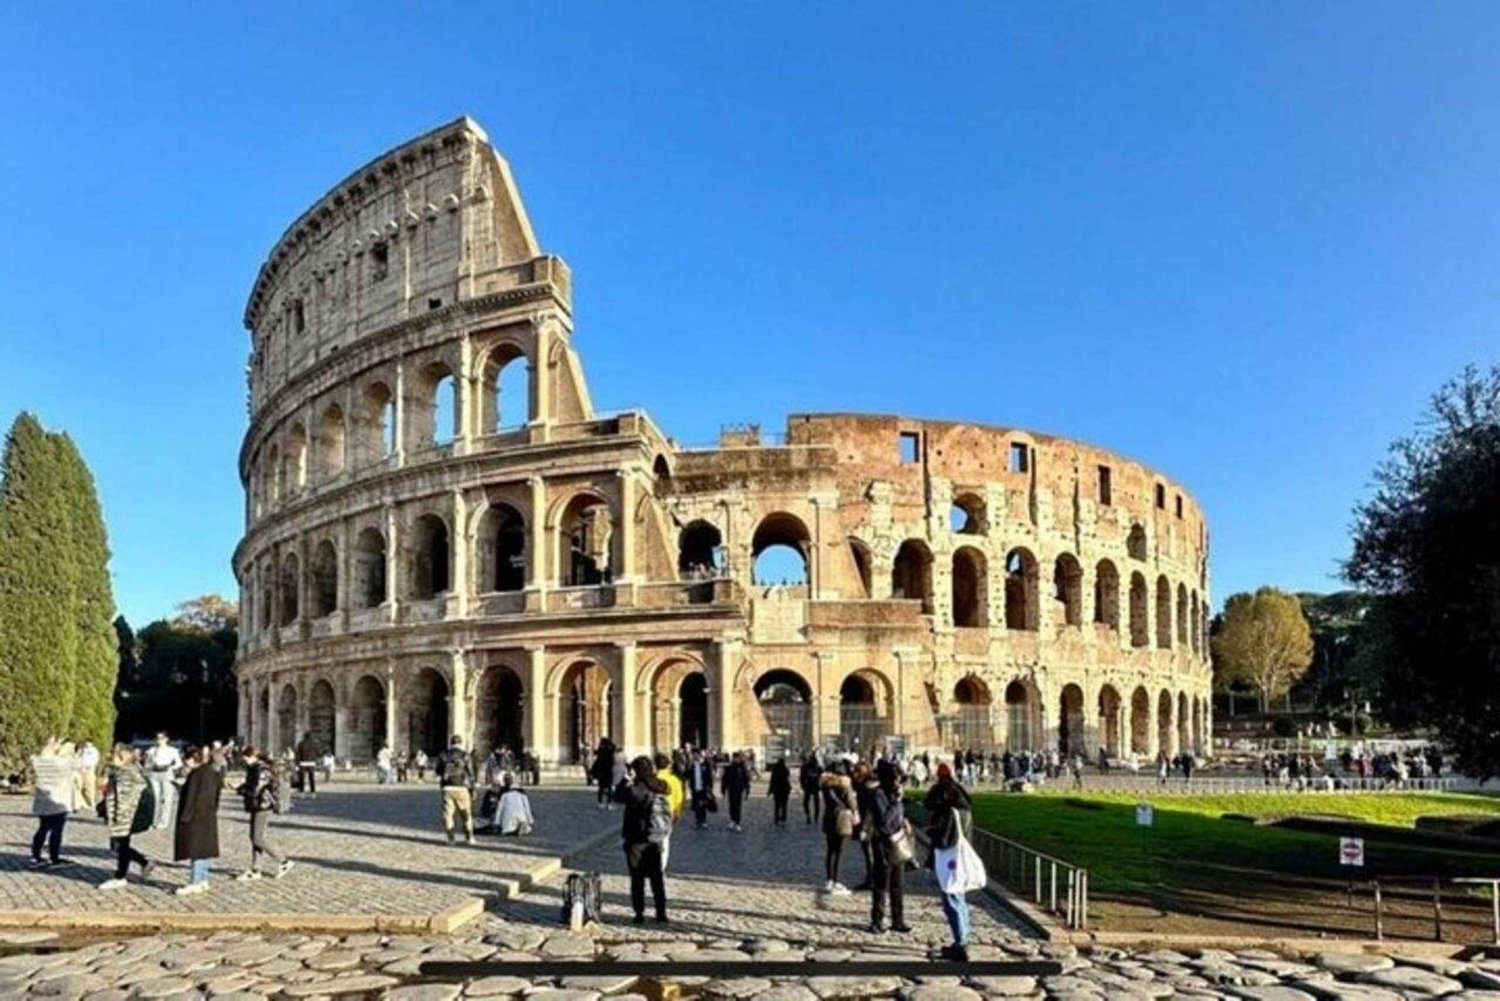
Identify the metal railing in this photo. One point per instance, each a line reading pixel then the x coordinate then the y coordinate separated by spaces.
pixel 1212 784
pixel 1059 887
pixel 1375 884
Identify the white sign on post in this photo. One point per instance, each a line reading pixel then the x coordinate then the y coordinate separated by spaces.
pixel 1145 815
pixel 1352 851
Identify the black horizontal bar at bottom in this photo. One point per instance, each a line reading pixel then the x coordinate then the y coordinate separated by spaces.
pixel 667 970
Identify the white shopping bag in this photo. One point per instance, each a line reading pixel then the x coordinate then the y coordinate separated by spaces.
pixel 959 869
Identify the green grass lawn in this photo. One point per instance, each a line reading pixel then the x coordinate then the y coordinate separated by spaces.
pixel 1394 809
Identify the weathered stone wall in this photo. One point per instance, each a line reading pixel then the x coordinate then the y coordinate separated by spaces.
pixel 435 546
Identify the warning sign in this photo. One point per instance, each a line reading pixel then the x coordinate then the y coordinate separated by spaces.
pixel 1352 851
pixel 1145 815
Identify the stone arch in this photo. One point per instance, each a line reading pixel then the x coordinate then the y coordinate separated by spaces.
pixel 376 423
pixel 1140 634
pixel 779 543
pixel 585 540
pixel 584 708
pixel 1163 613
pixel 1023 716
pixel 430 565
pixel 1067 588
pixel 700 549
pixel 367 709
pixel 322 724
pixel 1182 615
pixel 786 702
pixel 296 457
pixel 1107 594
pixel 1140 721
pixel 431 410
pixel 505 388
pixel 968 515
pixel 286 715
pixel 369 568
pixel 971 587
pixel 290 589
pixel 911 574
pixel 331 442
pixel 325 579
pixel 974 724
pixel 501 549
pixel 1135 542
pixel 1021 606
pixel 864 566
pixel 426 712
pixel 499 710
pixel 1071 738
pixel 275 475
pixel 1110 734
pixel 678 695
pixel 866 708
pixel 1194 635
pixel 1164 731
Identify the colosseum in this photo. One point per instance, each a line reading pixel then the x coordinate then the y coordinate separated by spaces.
pixel 443 535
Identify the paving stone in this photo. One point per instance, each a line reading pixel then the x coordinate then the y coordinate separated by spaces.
pixel 349 983
pixel 1353 962
pixel 829 988
pixel 1338 990
pixel 1271 992
pixel 939 992
pixel 1004 986
pixel 787 992
pixel 740 988
pixel 163 987
pixel 1411 980
pixel 486 987
pixel 560 946
pixel 1482 980
pixel 423 992
pixel 68 985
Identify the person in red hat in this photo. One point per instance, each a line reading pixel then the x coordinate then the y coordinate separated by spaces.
pixel 949 816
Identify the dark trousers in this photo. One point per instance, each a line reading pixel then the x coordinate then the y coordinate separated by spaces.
pixel 736 802
pixel 700 808
pixel 864 850
pixel 50 830
pixel 780 801
pixel 124 855
pixel 888 879
pixel 812 804
pixel 603 793
pixel 644 862
pixel 835 853
pixel 309 778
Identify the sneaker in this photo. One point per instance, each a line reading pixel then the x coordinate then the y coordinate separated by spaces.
pixel 903 928
pixel 828 886
pixel 469 840
pixel 111 884
pixel 37 863
pixel 876 928
pixel 248 876
pixel 191 889
pixel 840 890
pixel 661 919
pixel 639 919
pixel 147 868
pixel 59 862
pixel 284 868
pixel 450 838
pixel 955 953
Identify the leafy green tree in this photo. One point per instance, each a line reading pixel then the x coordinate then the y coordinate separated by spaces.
pixel 38 620
pixel 177 672
pixel 1264 641
pixel 1428 544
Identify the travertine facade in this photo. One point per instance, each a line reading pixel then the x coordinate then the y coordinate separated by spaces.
pixel 442 535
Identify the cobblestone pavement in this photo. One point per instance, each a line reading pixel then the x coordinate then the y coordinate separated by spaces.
pixel 735 897
pixel 360 848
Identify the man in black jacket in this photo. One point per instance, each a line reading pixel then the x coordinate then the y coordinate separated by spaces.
pixel 644 795
pixel 736 786
pixel 700 783
pixel 456 780
pixel 780 789
pixel 808 777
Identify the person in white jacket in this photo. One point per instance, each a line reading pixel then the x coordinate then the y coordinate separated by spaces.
pixel 55 796
pixel 513 813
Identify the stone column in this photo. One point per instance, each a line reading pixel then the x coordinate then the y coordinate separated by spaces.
pixel 243 722
pixel 541 389
pixel 392 564
pixel 399 412
pixel 396 742
pixel 536 563
pixel 723 732
pixel 624 573
pixel 340 724
pixel 537 704
pixel 624 723
pixel 273 719
pixel 458 698
pixel 462 546
pixel 464 441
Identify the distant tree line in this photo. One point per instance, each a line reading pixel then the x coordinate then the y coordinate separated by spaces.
pixel 177 674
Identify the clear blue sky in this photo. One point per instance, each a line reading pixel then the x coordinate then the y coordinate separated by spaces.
pixel 1242 243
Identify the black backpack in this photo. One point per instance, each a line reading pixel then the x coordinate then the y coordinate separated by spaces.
pixel 583 899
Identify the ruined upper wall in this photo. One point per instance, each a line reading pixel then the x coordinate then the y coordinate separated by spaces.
pixel 435 221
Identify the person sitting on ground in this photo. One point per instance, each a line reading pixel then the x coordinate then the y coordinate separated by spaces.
pixel 513 813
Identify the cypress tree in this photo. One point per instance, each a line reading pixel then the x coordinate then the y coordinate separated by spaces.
pixel 97 654
pixel 38 624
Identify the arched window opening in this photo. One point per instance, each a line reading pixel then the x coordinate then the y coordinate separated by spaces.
pixel 321 726
pixel 1163 613
pixel 911 574
pixel 970 588
pixel 296 457
pixel 1021 610
pixel 587 533
pixel 325 580
pixel 864 567
pixel 276 475
pixel 1023 731
pixel 1139 631
pixel 291 588
pixel 331 442
pixel 967 515
pixel 498 711
pixel 780 548
pixel 286 716
pixel 692 711
pixel 1164 730
pixel 430 558
pixel 1184 723
pixel 369 569
pixel 377 423
pixel 507 540
pixel 431 406
pixel 426 706
pixel 785 700
pixel 1107 595
pixel 1182 615
pixel 505 397
pixel 1067 589
pixel 445 410
pixel 269 585
pixel 1070 728
pixel 1140 722
pixel 366 719
pixel 974 724
pixel 586 708
pixel 1135 543
pixel 700 552
pixel 863 711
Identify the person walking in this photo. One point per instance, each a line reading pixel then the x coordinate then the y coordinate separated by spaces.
pixel 602 771
pixel 885 825
pixel 840 817
pixel 700 783
pixel 260 793
pixel 54 797
pixel 780 790
pixel 383 765
pixel 948 810
pixel 645 829
pixel 307 764
pixel 456 780
pixel 808 777
pixel 128 811
pixel 196 840
pixel 162 763
pixel 735 785
pixel 419 761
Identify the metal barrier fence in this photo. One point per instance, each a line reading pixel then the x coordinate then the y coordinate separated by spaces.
pixel 1052 884
pixel 1493 882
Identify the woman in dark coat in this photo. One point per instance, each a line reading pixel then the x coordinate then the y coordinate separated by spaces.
pixel 197 835
pixel 780 789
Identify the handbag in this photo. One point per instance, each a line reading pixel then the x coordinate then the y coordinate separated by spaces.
pixel 901 845
pixel 959 869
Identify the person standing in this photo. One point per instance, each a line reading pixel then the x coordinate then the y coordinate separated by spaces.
pixel 948 817
pixel 884 823
pixel 383 766
pixel 780 790
pixel 261 797
pixel 420 761
pixel 197 835
pixel 700 782
pixel 54 796
pixel 88 773
pixel 128 811
pixel 307 764
pixel 162 763
pixel 456 779
pixel 646 827
pixel 676 796
pixel 840 817
pixel 808 778
pixel 862 778
pixel 736 786
pixel 602 771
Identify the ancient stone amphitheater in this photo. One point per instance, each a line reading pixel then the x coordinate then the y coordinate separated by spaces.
pixel 444 536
